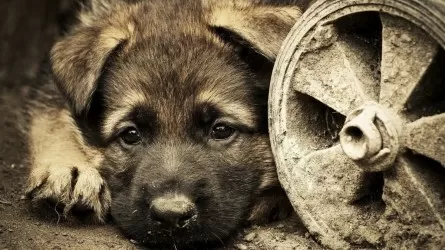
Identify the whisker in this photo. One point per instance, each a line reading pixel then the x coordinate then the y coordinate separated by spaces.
pixel 222 243
pixel 58 214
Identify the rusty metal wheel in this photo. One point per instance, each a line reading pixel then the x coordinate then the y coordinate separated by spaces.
pixel 357 122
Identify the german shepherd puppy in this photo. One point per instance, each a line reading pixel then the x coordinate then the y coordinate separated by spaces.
pixel 155 111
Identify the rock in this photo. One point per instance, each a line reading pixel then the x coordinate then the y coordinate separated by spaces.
pixel 406 38
pixel 241 247
pixel 249 237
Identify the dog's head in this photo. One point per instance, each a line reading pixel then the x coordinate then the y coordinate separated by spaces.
pixel 175 93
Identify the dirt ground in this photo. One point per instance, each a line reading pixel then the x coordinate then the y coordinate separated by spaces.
pixel 22 226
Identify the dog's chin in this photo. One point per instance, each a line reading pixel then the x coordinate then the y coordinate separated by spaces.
pixel 138 227
pixel 212 226
pixel 193 237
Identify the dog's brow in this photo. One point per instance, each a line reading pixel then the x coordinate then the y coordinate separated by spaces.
pixel 232 108
pixel 239 112
pixel 113 118
pixel 128 100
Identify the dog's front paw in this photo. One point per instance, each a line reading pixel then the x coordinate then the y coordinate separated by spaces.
pixel 71 186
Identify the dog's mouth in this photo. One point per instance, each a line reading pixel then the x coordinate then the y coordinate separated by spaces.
pixel 187 236
pixel 183 238
pixel 174 220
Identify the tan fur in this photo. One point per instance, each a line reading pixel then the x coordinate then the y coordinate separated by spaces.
pixel 129 100
pixel 243 17
pixel 56 148
pixel 113 31
pixel 235 108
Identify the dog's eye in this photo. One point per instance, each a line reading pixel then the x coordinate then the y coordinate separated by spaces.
pixel 221 132
pixel 130 136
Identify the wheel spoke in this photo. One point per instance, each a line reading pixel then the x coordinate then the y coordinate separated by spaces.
pixel 427 98
pixel 407 52
pixel 341 74
pixel 415 189
pixel 331 192
pixel 331 176
pixel 426 136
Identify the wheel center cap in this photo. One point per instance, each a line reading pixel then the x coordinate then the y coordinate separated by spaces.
pixel 370 137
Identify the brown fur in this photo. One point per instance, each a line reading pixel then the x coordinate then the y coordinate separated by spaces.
pixel 179 65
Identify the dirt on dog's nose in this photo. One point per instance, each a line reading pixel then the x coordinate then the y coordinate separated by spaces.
pixel 174 210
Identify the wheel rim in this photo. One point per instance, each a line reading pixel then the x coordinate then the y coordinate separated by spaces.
pixel 357 125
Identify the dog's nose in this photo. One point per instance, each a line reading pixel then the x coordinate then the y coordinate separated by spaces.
pixel 173 210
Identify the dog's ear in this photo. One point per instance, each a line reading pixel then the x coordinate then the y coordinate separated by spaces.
pixel 249 23
pixel 79 59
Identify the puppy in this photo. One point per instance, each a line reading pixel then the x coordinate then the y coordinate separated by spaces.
pixel 155 112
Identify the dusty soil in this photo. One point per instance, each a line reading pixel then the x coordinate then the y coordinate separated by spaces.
pixel 24 226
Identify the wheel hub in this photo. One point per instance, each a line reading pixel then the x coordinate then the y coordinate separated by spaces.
pixel 370 137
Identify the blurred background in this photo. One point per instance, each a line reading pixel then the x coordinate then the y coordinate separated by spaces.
pixel 27 30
